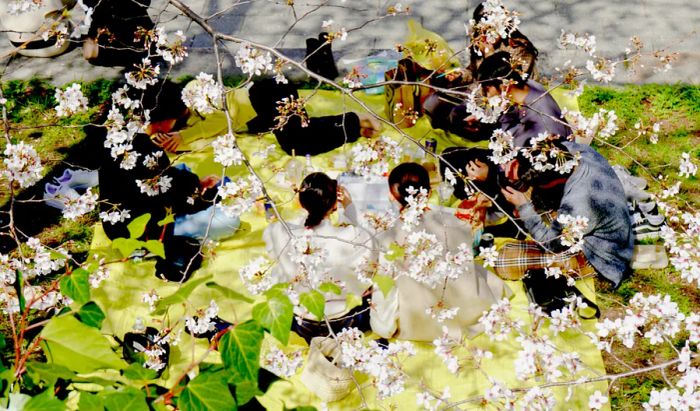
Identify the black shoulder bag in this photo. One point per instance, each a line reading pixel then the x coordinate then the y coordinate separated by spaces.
pixel 551 293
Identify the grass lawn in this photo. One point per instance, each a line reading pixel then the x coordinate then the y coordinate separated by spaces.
pixel 675 107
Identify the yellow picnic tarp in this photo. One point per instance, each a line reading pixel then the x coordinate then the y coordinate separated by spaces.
pixel 120 296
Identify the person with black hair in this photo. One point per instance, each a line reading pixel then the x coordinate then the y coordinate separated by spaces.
pixel 255 111
pixel 533 110
pixel 401 313
pixel 117 32
pixel 524 53
pixel 343 247
pixel 467 160
pixel 577 182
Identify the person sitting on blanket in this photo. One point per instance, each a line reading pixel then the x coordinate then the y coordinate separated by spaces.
pixel 589 192
pixel 532 110
pixel 401 312
pixel 256 111
pixel 342 247
pixel 482 45
pixel 490 214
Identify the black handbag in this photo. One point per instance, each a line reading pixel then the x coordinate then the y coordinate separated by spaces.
pixel 551 293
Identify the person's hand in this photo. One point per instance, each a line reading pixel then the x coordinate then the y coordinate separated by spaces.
pixel 168 141
pixel 515 197
pixel 209 182
pixel 477 170
pixel 369 126
pixel 344 197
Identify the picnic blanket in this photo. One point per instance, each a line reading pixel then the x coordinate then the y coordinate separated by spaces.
pixel 120 296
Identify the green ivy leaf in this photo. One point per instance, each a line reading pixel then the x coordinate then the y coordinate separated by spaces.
pixel 80 348
pixel 76 286
pixel 44 402
pixel 126 246
pixel 229 293
pixel 156 247
pixel 384 282
pixel 352 301
pixel 138 225
pixel 276 315
pixel 137 372
pixel 19 284
pixel 246 391
pixel 276 290
pixel 169 218
pixel 48 373
pixel 179 296
pixel 128 398
pixel 330 288
pixel 240 351
pixel 90 402
pixel 206 391
pixel 91 315
pixel 315 302
pixel 396 252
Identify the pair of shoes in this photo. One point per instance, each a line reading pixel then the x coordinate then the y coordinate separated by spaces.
pixel 646 220
pixel 65 188
pixel 319 57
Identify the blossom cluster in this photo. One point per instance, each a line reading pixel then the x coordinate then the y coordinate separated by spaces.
pixel 256 275
pixel 203 322
pixel 226 151
pixel 497 22
pixel 238 196
pixel 585 42
pixel 486 109
pixel 602 124
pixel 203 94
pixel 382 364
pixel 22 164
pixel 253 61
pixel 371 158
pixel 573 228
pixel 70 101
pixel 282 364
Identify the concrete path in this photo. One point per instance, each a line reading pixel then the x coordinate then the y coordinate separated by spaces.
pixel 670 24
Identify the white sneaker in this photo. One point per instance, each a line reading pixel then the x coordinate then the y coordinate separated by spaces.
pixel 78 179
pixel 57 195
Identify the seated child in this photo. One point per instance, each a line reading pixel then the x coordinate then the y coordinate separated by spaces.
pixel 401 313
pixel 342 248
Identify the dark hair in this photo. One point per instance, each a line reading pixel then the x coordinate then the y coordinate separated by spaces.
pixel 164 100
pixel 478 12
pixel 496 68
pixel 318 195
pixel 407 175
pixel 459 158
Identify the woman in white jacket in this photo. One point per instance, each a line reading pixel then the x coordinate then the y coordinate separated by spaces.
pixel 435 278
pixel 319 251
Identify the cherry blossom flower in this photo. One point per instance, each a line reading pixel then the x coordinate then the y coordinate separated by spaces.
pixel 203 94
pixel 597 400
pixel 585 42
pixel 76 207
pixel 22 164
pixel 71 101
pixel 252 61
pixel 687 168
pixel 256 275
pixel 226 151
pixel 282 364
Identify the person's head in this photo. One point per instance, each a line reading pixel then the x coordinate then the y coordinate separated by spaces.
pixel 459 158
pixel 497 72
pixel 407 175
pixel 167 111
pixel 540 164
pixel 318 195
